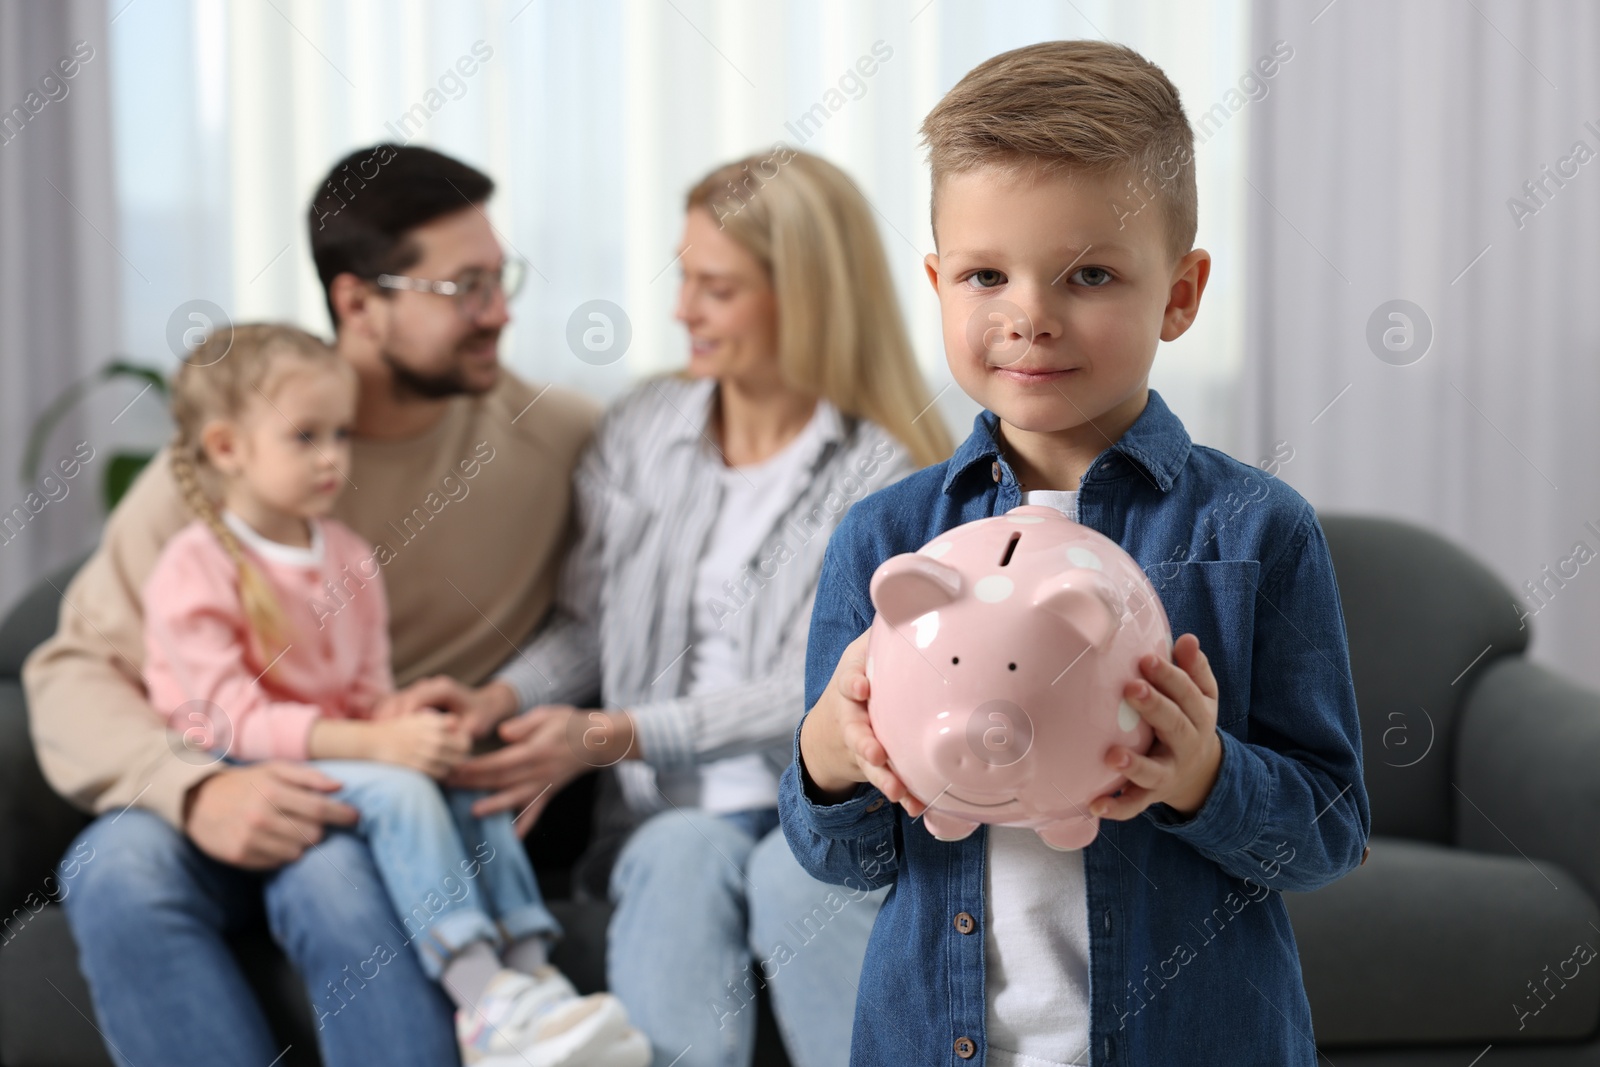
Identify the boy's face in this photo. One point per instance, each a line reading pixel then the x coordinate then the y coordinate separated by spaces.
pixel 1051 303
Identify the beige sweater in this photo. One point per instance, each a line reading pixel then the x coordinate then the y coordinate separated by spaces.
pixel 469 520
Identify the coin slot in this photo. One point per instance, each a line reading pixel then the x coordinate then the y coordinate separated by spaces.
pixel 1011 547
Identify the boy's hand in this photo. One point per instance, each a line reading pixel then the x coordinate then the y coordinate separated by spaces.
pixel 1179 701
pixel 837 745
pixel 429 741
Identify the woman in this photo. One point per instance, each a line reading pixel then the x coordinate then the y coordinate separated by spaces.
pixel 705 502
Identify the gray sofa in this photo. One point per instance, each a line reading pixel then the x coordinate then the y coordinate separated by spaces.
pixel 1484 775
pixel 1483 768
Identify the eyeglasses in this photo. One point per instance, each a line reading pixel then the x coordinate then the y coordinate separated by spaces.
pixel 473 289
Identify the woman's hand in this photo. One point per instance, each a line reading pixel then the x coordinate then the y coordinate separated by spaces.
pixel 837 746
pixel 438 691
pixel 487 707
pixel 428 741
pixel 546 748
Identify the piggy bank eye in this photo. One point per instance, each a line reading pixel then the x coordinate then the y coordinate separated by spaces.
pixel 1011 666
pixel 955 659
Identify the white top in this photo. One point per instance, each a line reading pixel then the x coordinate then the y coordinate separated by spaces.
pixel 277 551
pixel 1036 933
pixel 754 499
pixel 1063 500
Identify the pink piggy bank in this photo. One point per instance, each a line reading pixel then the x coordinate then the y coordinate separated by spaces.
pixel 997 663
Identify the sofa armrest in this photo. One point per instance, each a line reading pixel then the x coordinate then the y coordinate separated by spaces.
pixel 36 825
pixel 33 620
pixel 1526 779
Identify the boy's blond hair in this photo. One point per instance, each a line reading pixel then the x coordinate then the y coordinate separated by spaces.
pixel 1085 106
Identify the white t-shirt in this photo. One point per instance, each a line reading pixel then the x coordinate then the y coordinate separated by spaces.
pixel 277 551
pixel 1036 933
pixel 754 498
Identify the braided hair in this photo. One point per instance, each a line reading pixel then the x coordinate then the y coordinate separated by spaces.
pixel 215 381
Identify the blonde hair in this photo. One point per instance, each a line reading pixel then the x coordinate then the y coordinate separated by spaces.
pixel 216 381
pixel 840 333
pixel 1089 106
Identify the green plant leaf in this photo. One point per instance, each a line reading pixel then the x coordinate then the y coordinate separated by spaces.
pixel 119 368
pixel 120 474
pixel 50 418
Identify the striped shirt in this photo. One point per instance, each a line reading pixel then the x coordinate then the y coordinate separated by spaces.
pixel 647 493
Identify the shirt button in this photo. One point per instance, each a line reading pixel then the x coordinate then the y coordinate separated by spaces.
pixel 994 469
pixel 965 1048
pixel 964 922
pixel 875 805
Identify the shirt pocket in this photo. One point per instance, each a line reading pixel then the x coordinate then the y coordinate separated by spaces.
pixel 1216 601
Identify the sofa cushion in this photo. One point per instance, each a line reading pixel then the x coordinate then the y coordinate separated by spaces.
pixel 1427 943
pixel 46 1017
pixel 36 825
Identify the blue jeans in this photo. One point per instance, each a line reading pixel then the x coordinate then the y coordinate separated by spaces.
pixel 711 908
pixel 453 878
pixel 152 916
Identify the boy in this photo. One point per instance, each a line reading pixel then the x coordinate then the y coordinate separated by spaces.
pixel 1064 222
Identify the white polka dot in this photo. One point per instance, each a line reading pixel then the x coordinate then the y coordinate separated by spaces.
pixel 1084 557
pixel 1127 718
pixel 927 627
pixel 1026 519
pixel 937 550
pixel 993 589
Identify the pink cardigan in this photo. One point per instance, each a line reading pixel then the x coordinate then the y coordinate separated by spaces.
pixel 197 648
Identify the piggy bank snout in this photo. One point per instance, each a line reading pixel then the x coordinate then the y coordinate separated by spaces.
pixel 979 747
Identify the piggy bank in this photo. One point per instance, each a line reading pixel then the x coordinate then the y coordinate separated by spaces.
pixel 997 662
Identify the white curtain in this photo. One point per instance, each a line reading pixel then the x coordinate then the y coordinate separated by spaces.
pixel 595 119
pixel 1447 155
pixel 60 266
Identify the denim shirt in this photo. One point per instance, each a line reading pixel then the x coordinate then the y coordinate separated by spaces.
pixel 1191 955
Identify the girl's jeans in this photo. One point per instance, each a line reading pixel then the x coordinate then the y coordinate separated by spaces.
pixel 453 877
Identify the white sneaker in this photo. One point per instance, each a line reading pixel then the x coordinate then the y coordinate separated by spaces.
pixel 630 1049
pixel 539 1020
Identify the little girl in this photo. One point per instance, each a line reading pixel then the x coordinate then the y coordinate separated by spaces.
pixel 246 659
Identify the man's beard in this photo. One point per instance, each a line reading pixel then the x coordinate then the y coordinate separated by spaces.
pixel 447 383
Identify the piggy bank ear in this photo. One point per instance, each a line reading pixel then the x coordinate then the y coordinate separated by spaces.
pixel 1085 601
pixel 908 585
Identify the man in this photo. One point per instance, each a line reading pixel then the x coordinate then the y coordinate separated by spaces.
pixel 460 477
